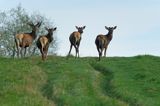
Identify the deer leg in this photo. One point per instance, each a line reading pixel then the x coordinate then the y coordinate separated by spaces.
pixel 17 47
pixel 105 52
pixel 21 52
pixel 102 51
pixel 42 53
pixel 98 52
pixel 70 49
pixel 75 49
pixel 78 48
pixel 25 51
pixel 18 52
pixel 22 49
pixel 78 51
pixel 45 51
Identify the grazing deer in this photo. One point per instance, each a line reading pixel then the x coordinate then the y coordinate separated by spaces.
pixel 75 39
pixel 25 40
pixel 102 41
pixel 44 41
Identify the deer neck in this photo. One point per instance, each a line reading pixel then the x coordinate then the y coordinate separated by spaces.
pixel 80 32
pixel 109 35
pixel 49 37
pixel 33 34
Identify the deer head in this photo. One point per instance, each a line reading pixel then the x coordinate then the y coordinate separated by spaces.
pixel 50 30
pixel 110 29
pixel 34 27
pixel 80 29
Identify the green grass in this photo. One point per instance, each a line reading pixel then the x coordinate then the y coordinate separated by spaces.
pixel 114 81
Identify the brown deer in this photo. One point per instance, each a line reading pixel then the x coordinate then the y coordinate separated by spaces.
pixel 75 39
pixel 102 41
pixel 25 40
pixel 44 41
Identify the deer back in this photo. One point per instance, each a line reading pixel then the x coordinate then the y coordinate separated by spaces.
pixel 46 39
pixel 19 37
pixel 75 36
pixel 27 40
pixel 24 40
pixel 43 40
pixel 103 40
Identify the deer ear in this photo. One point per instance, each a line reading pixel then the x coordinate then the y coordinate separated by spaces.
pixel 115 27
pixel 106 27
pixel 54 28
pixel 84 27
pixel 76 27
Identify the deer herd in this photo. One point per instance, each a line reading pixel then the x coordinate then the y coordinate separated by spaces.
pixel 24 40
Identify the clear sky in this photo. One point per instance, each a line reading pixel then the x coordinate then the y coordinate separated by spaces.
pixel 137 21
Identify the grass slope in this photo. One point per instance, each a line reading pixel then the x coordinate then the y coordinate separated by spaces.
pixel 116 81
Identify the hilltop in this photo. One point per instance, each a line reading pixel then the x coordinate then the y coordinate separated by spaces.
pixel 114 81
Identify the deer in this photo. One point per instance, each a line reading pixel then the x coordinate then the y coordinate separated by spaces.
pixel 44 41
pixel 102 41
pixel 75 39
pixel 24 40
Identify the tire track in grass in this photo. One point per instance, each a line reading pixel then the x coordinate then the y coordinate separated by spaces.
pixel 47 91
pixel 107 87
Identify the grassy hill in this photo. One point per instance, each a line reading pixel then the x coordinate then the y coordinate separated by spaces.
pixel 114 81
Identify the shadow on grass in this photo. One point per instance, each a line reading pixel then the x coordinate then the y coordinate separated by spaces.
pixel 108 88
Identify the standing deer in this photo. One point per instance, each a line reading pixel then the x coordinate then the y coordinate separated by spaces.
pixel 44 41
pixel 25 40
pixel 102 41
pixel 75 39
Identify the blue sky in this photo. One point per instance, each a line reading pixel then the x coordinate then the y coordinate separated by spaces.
pixel 137 21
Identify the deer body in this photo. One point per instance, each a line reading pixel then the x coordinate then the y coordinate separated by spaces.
pixel 25 40
pixel 44 41
pixel 102 41
pixel 75 39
